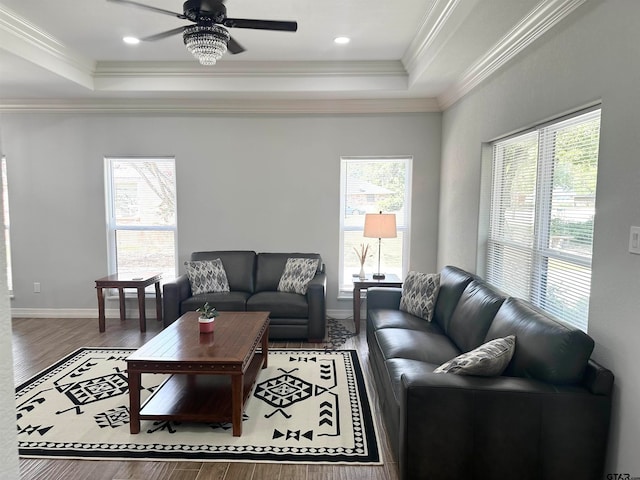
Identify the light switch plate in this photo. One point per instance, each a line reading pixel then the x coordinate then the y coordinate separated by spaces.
pixel 634 240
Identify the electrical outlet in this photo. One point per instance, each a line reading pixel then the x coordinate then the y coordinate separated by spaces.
pixel 36 287
pixel 634 240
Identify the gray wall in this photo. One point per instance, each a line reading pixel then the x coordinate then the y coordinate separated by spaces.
pixel 265 183
pixel 594 55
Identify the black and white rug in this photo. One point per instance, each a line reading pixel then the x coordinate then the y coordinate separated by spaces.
pixel 307 406
pixel 338 332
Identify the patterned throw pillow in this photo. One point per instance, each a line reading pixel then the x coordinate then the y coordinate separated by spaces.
pixel 419 294
pixel 298 272
pixel 488 360
pixel 207 276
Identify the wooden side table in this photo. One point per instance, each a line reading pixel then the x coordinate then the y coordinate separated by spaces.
pixel 390 280
pixel 128 281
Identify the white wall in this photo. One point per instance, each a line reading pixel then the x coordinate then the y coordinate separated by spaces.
pixel 594 55
pixel 9 468
pixel 265 183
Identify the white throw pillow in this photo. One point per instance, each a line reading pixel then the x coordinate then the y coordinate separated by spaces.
pixel 419 294
pixel 488 360
pixel 207 276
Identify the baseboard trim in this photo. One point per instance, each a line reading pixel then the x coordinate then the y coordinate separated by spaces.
pixel 115 313
pixel 76 313
pixel 340 314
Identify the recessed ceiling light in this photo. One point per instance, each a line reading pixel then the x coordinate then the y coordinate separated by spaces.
pixel 131 40
pixel 342 40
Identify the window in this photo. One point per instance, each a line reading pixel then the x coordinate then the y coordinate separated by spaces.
pixel 7 237
pixel 370 185
pixel 541 216
pixel 141 215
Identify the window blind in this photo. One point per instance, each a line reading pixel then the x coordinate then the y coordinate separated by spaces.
pixel 541 216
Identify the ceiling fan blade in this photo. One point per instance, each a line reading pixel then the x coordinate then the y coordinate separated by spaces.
pixel 149 7
pixel 261 24
pixel 159 36
pixel 234 47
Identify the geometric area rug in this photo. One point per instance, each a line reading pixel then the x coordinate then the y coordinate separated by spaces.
pixel 307 406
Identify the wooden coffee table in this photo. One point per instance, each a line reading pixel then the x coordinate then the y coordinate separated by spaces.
pixel 213 373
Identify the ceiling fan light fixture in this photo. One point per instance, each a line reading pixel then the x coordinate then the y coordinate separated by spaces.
pixel 208 43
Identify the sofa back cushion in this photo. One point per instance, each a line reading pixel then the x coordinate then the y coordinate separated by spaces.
pixel 546 350
pixel 239 266
pixel 453 281
pixel 472 316
pixel 270 267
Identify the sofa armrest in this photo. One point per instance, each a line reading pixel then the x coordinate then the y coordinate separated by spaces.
pixel 598 379
pixel 316 299
pixel 173 294
pixel 454 426
pixel 383 297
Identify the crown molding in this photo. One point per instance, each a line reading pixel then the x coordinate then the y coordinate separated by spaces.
pixel 543 17
pixel 432 26
pixel 237 76
pixel 225 106
pixel 23 39
pixel 250 68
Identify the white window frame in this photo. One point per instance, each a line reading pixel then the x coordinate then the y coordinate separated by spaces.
pixel 345 285
pixel 113 227
pixel 541 251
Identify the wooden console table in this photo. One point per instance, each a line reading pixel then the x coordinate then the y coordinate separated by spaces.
pixel 390 280
pixel 128 281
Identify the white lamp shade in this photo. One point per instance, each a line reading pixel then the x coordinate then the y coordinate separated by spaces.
pixel 380 225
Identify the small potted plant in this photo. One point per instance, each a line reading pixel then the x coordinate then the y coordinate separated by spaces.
pixel 208 314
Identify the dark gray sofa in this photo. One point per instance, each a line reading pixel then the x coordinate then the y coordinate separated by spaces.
pixel 253 281
pixel 546 418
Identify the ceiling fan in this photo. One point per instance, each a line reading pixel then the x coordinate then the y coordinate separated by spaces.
pixel 207 38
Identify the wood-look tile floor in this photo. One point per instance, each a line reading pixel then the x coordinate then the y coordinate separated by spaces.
pixel 37 343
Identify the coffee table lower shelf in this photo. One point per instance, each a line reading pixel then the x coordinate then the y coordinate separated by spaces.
pixel 198 397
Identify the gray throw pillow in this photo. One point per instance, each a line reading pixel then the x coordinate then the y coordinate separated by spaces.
pixel 298 272
pixel 207 276
pixel 488 360
pixel 419 294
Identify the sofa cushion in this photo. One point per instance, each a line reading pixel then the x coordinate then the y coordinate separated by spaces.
pixel 415 345
pixel 488 360
pixel 419 293
pixel 298 272
pixel 547 350
pixel 239 266
pixel 207 276
pixel 225 301
pixel 453 281
pixel 396 367
pixel 472 316
pixel 280 304
pixel 387 318
pixel 270 266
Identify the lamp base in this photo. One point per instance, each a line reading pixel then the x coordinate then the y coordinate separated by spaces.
pixel 378 276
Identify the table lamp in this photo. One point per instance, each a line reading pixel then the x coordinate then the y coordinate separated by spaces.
pixel 380 225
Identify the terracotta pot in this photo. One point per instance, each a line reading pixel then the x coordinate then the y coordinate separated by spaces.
pixel 206 324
